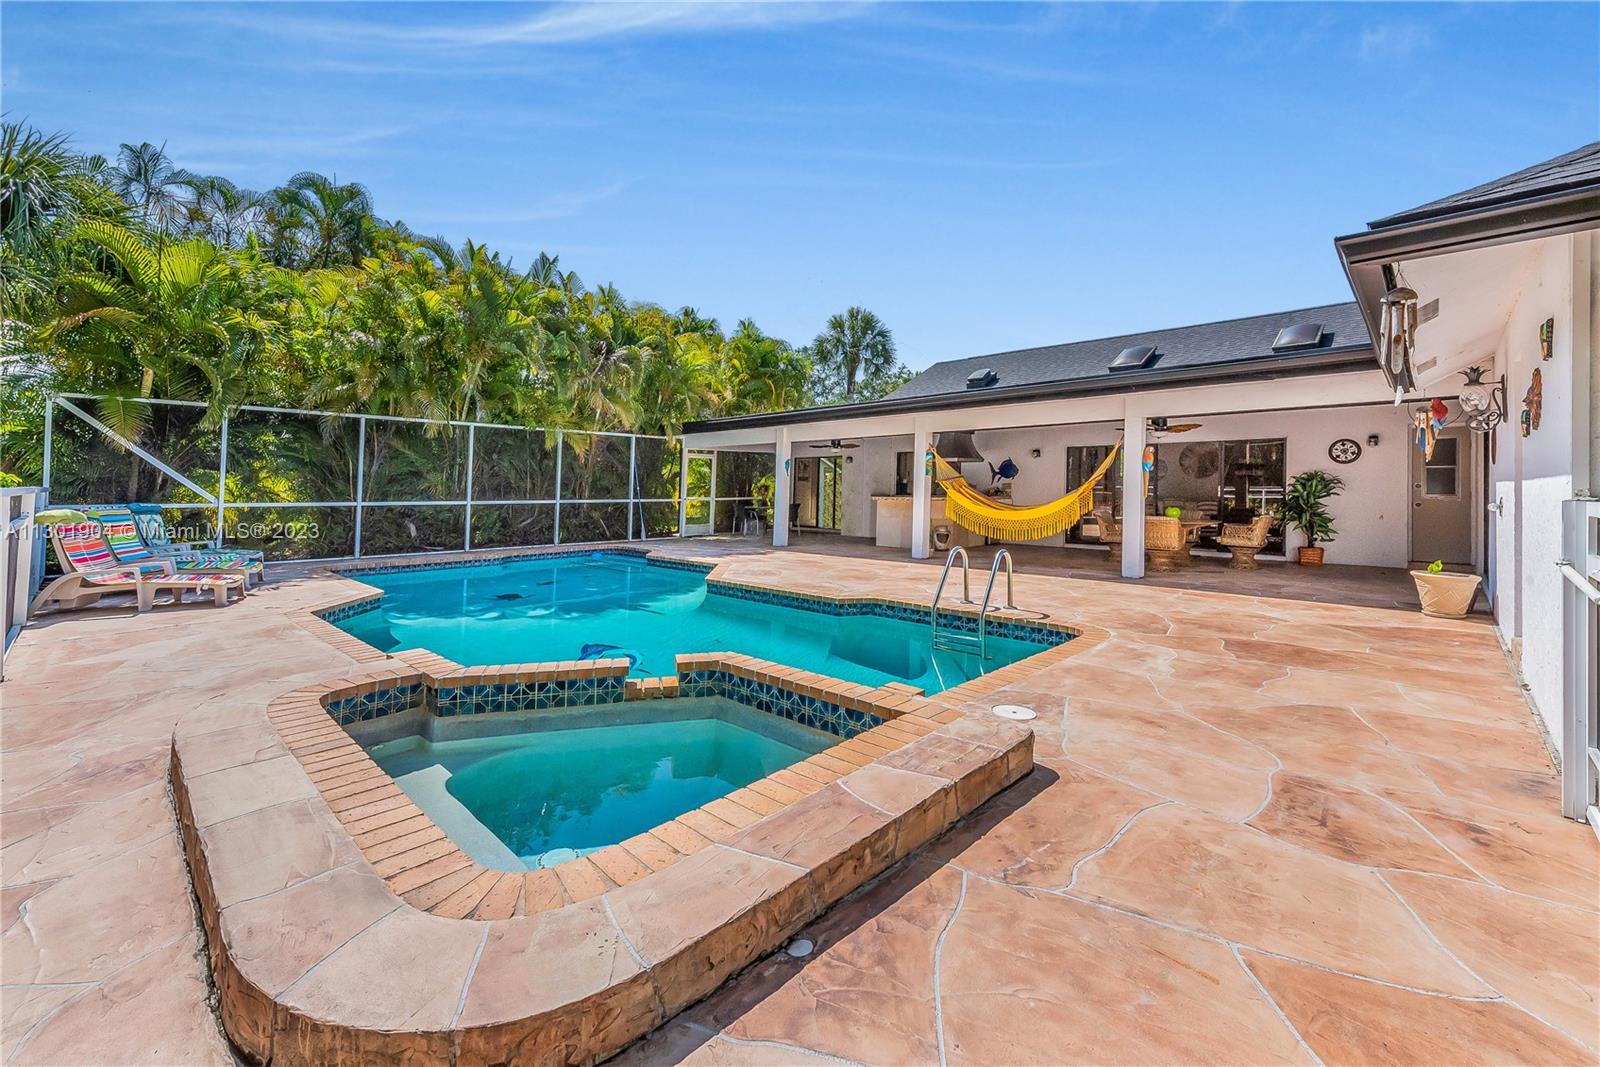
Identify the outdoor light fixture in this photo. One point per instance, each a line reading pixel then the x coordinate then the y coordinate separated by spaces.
pixel 1397 338
pixel 1372 440
pixel 1484 403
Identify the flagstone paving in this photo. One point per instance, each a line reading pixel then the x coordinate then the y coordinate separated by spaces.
pixel 1260 829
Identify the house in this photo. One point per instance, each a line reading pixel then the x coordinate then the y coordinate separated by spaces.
pixel 1505 284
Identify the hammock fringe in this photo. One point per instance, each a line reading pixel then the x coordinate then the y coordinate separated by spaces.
pixel 971 510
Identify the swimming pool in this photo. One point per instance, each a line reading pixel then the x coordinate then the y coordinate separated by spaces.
pixel 560 785
pixel 598 605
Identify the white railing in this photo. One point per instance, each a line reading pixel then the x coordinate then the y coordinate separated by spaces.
pixel 1580 739
pixel 217 504
pixel 18 561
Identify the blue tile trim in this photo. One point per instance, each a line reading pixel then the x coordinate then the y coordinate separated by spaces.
pixel 527 696
pixel 814 712
pixel 376 705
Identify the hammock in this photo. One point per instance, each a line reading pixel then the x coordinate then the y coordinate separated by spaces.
pixel 971 510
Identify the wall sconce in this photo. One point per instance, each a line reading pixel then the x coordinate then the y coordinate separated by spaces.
pixel 1372 440
pixel 1034 453
pixel 1483 403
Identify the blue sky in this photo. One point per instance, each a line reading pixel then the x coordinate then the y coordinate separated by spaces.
pixel 983 176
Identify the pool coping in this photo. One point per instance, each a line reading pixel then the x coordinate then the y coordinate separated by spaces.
pixel 320 956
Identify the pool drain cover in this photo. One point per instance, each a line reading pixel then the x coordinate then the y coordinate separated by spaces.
pixel 1014 711
pixel 508 596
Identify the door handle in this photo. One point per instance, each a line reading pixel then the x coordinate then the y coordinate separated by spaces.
pixel 1416 503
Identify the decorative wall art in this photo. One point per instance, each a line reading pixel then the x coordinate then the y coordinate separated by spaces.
pixel 1532 404
pixel 1547 339
pixel 1345 450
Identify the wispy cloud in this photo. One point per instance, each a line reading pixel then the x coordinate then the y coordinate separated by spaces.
pixel 559 24
pixel 1392 40
pixel 554 207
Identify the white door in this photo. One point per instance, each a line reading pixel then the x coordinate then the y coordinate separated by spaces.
pixel 1441 500
pixel 699 490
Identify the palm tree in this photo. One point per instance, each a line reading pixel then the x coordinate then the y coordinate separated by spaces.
pixel 221 211
pixel 145 177
pixel 854 344
pixel 331 223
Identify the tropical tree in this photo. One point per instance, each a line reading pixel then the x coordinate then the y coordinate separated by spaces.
pixel 855 343
pixel 145 177
pixel 316 221
pixel 220 211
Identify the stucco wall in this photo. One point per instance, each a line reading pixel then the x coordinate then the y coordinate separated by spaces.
pixel 868 472
pixel 1371 515
pixel 1533 475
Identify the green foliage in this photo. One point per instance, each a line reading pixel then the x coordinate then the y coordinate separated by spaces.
pixel 853 359
pixel 1436 566
pixel 1305 505
pixel 136 280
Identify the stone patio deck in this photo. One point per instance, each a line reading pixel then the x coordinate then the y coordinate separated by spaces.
pixel 1258 830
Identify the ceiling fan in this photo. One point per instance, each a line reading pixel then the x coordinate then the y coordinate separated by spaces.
pixel 1159 424
pixel 837 444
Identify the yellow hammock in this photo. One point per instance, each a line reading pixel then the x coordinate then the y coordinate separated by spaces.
pixel 971 510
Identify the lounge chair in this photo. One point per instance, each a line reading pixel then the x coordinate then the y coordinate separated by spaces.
pixel 91 573
pixel 125 536
pixel 153 529
pixel 1244 540
pixel 1110 532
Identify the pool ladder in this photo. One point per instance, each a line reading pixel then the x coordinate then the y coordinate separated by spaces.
pixel 954 641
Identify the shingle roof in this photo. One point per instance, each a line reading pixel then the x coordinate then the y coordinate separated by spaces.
pixel 1232 341
pixel 1572 170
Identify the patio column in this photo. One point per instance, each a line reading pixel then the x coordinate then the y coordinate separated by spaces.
pixel 782 488
pixel 1133 496
pixel 921 494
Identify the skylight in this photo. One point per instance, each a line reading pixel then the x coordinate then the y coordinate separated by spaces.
pixel 1300 335
pixel 1134 358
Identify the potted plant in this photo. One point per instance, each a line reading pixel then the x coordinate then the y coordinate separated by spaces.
pixel 1444 595
pixel 1305 507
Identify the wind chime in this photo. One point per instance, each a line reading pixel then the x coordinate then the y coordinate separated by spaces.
pixel 1397 338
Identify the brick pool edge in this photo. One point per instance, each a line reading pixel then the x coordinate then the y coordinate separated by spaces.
pixel 317 958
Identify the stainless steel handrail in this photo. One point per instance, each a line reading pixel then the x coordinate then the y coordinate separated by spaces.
pixel 988 591
pixel 944 576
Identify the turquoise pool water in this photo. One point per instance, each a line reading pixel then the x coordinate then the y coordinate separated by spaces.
pixel 573 782
pixel 586 607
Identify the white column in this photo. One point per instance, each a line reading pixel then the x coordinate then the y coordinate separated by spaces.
pixel 1133 495
pixel 683 485
pixel 921 493
pixel 782 488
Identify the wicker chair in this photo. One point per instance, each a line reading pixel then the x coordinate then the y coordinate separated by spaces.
pixel 1244 540
pixel 1164 542
pixel 1110 532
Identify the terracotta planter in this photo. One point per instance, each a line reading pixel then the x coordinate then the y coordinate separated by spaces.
pixel 1446 596
pixel 1310 557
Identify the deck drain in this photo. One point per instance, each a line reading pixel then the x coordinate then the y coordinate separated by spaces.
pixel 1014 711
pixel 800 948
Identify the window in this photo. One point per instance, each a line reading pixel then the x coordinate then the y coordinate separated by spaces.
pixel 1222 481
pixel 1441 472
